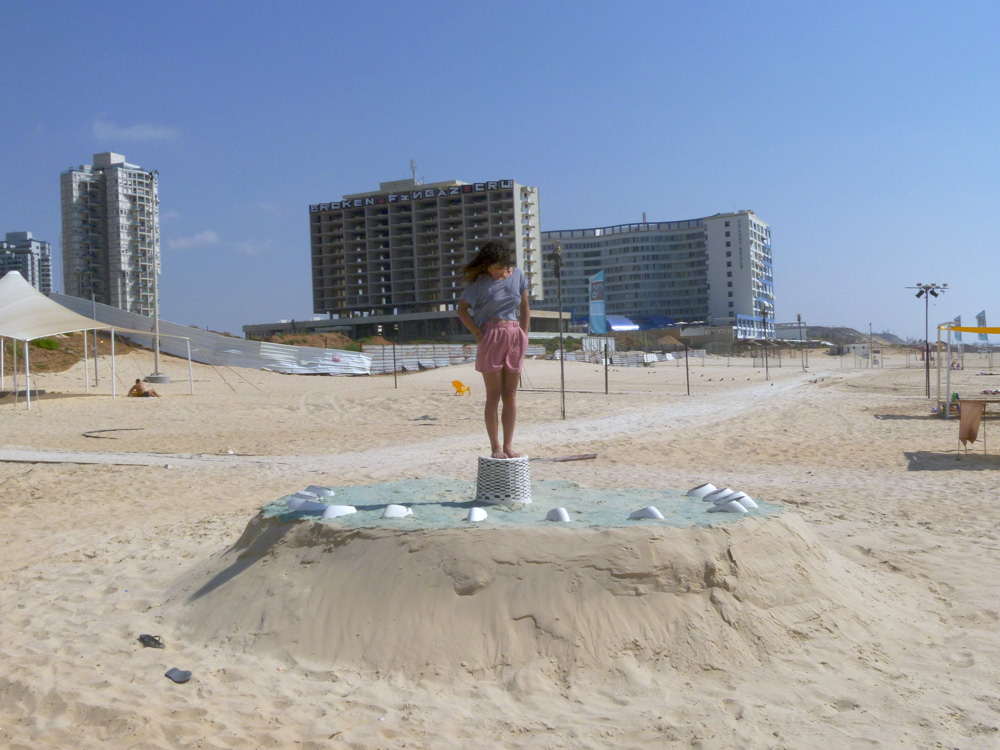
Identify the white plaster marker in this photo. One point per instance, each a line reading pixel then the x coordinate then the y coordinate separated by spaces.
pixel 557 514
pixel 396 511
pixel 713 497
pixel 701 490
pixel 320 491
pixel 335 511
pixel 730 506
pixel 476 515
pixel 742 498
pixel 305 501
pixel 648 512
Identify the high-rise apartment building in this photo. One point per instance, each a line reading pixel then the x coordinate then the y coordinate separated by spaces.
pixel 111 233
pixel 400 249
pixel 716 270
pixel 30 257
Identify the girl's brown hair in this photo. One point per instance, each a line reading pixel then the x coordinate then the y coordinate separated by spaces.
pixel 492 252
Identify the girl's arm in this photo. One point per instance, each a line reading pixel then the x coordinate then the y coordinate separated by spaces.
pixel 466 318
pixel 525 313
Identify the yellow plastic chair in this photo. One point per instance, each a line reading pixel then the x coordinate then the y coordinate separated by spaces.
pixel 461 388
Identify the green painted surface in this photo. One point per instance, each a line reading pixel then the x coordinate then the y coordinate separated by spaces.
pixel 439 503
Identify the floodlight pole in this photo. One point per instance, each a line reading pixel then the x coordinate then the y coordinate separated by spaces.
pixel 156 376
pixel 927 291
pixel 156 321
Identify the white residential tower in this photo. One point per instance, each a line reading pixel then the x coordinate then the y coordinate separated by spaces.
pixel 111 233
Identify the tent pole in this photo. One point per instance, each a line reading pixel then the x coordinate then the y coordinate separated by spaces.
pixel 190 371
pixel 113 376
pixel 947 387
pixel 86 364
pixel 14 348
pixel 27 376
pixel 937 353
pixel 1 362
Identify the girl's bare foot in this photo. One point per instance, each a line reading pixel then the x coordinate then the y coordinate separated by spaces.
pixel 499 454
pixel 511 453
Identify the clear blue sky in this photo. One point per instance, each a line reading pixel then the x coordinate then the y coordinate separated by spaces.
pixel 865 134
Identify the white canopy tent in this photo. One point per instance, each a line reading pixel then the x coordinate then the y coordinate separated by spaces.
pixel 26 314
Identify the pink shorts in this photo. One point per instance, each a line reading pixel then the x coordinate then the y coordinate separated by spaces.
pixel 502 347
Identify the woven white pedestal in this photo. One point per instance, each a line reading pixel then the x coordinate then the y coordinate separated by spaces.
pixel 503 480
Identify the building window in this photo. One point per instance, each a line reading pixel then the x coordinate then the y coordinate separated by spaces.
pixel 729 253
pixel 727 223
pixel 729 274
pixel 727 234
pixel 729 283
pixel 730 294
pixel 729 264
pixel 728 244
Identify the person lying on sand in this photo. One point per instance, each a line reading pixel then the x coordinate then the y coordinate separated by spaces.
pixel 141 389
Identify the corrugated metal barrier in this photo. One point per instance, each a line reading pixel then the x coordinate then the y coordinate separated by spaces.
pixel 414 357
pixel 215 349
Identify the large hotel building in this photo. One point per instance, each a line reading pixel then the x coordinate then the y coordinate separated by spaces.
pixel 111 233
pixel 715 271
pixel 400 249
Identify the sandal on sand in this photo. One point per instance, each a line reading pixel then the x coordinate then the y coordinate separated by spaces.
pixel 151 641
pixel 178 675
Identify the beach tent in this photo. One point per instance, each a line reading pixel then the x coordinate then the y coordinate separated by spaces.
pixel 621 323
pixel 949 327
pixel 26 314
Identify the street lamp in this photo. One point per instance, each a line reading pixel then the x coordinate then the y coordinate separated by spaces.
pixel 555 257
pixel 803 359
pixel 927 291
pixel 763 313
pixel 687 371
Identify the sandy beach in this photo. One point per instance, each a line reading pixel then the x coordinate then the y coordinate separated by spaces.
pixel 863 615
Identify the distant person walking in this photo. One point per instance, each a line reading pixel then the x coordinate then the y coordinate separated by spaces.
pixel 494 307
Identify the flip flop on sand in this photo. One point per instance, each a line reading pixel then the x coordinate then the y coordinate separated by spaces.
pixel 178 675
pixel 151 641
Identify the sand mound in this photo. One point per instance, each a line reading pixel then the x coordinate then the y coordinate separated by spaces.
pixel 484 600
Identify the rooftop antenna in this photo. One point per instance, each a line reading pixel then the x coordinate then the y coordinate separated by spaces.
pixel 413 169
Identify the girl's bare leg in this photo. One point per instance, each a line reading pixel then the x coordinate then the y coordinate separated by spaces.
pixel 508 394
pixel 493 381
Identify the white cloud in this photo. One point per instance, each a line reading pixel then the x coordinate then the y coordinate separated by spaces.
pixel 202 239
pixel 146 131
pixel 168 215
pixel 255 248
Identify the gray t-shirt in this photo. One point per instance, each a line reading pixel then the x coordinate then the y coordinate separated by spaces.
pixel 495 299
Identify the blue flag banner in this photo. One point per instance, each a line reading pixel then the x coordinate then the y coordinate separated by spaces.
pixel 981 323
pixel 958 334
pixel 598 323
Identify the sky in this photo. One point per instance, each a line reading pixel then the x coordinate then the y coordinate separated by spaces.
pixel 865 134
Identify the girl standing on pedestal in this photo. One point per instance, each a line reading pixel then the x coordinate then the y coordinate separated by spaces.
pixel 494 307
